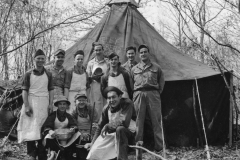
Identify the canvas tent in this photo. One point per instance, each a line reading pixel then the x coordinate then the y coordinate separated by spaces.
pixel 124 25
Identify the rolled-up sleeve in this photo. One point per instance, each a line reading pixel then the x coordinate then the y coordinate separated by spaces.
pixel 50 81
pixel 89 69
pixel 101 123
pixel 126 114
pixel 26 81
pixel 67 79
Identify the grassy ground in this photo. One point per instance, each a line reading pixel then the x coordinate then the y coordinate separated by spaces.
pixel 14 151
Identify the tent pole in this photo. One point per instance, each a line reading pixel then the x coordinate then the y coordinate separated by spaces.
pixel 196 119
pixel 231 112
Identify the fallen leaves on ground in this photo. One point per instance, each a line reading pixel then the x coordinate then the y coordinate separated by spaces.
pixel 12 150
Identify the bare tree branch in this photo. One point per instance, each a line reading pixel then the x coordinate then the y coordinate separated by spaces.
pixel 65 22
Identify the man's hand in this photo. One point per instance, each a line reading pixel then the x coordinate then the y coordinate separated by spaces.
pixel 72 129
pixel 104 131
pixel 28 111
pixel 52 134
pixel 107 129
pixel 97 77
pixel 88 146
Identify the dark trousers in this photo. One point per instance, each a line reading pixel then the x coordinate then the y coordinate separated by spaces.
pixel 36 149
pixel 149 101
pixel 66 152
pixel 123 136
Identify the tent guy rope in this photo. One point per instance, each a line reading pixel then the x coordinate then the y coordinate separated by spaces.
pixel 205 136
pixel 139 147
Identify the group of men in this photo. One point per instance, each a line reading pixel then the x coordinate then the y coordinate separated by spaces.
pixel 123 96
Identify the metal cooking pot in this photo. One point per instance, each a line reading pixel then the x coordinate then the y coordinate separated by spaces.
pixel 63 134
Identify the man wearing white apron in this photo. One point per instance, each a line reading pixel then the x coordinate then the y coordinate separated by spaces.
pixel 84 114
pixel 38 98
pixel 95 90
pixel 60 119
pixel 61 80
pixel 78 78
pixel 115 128
pixel 118 77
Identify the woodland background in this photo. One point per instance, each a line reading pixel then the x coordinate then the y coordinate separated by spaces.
pixel 199 28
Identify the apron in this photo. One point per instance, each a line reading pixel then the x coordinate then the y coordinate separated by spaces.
pixel 105 148
pixel 58 91
pixel 61 125
pixel 78 85
pixel 119 83
pixel 29 128
pixel 95 94
pixel 83 123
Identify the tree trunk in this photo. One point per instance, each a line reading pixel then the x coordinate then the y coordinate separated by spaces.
pixel 202 20
pixel 5 58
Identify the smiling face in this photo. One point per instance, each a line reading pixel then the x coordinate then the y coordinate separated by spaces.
pixel 144 54
pixel 62 106
pixel 78 60
pixel 40 60
pixel 98 50
pixel 59 59
pixel 114 61
pixel 81 102
pixel 131 55
pixel 113 98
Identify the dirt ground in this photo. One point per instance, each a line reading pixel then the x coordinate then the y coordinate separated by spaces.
pixel 14 151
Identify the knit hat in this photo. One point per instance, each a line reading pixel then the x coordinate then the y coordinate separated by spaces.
pixel 59 51
pixel 112 55
pixel 38 53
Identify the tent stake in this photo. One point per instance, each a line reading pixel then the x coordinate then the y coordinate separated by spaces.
pixel 206 147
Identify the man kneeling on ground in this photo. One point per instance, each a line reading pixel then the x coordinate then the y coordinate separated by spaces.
pixel 115 128
pixel 60 131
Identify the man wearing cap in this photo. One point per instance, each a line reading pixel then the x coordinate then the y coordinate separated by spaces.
pixel 130 53
pixel 148 82
pixel 61 80
pixel 54 124
pixel 117 76
pixel 115 128
pixel 92 66
pixel 38 98
pixel 84 114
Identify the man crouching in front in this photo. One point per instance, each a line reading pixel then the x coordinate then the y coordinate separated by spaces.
pixel 115 128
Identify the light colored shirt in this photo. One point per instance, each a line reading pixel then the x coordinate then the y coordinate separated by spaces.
pixel 147 76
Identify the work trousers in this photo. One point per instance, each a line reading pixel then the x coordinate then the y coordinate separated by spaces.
pixel 123 137
pixel 149 101
pixel 66 152
pixel 36 149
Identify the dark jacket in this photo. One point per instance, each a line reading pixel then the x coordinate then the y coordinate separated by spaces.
pixel 49 123
pixel 127 113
